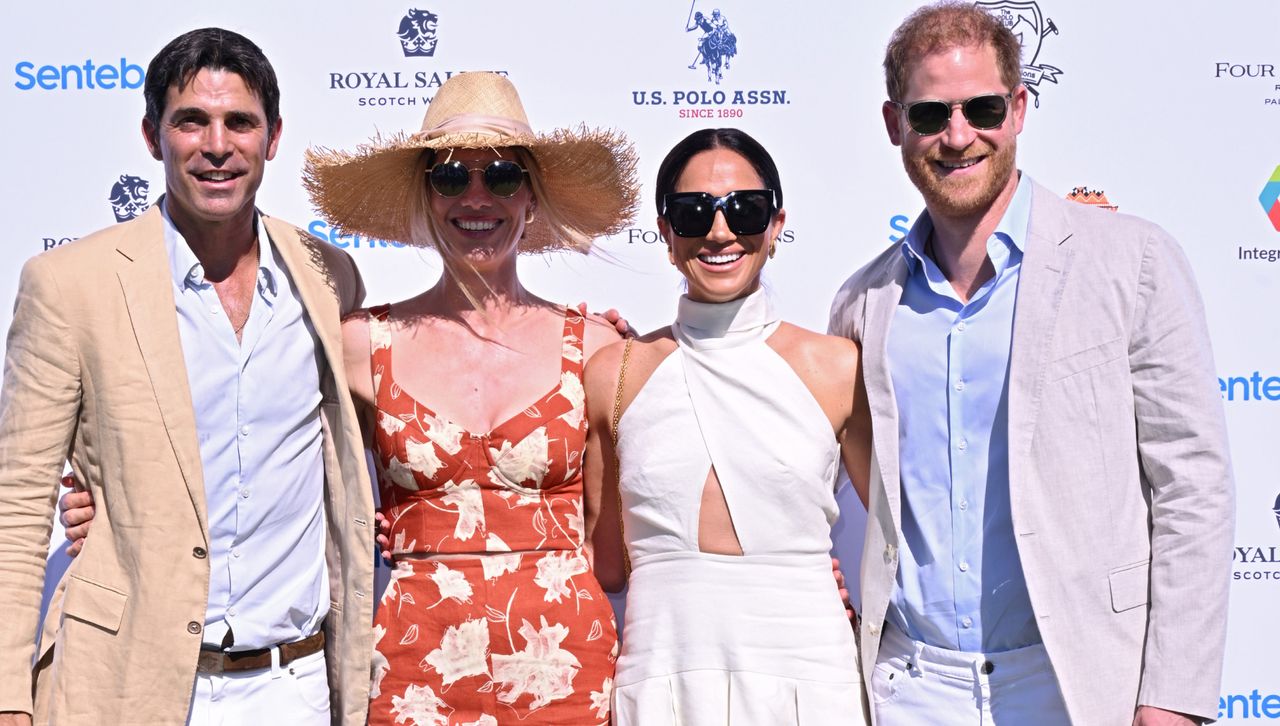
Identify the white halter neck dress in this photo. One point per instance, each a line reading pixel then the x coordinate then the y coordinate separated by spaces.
pixel 718 640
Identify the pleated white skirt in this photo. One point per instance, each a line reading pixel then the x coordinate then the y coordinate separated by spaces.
pixel 757 640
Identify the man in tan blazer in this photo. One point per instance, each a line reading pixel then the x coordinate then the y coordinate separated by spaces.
pixel 1051 506
pixel 188 363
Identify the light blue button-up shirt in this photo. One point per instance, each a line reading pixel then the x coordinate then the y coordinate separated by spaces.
pixel 257 410
pixel 960 583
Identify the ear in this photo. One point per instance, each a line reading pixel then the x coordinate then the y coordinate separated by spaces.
pixel 1018 107
pixel 151 135
pixel 892 122
pixel 273 140
pixel 778 224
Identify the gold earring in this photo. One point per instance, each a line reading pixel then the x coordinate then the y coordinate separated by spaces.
pixel 773 248
pixel 530 216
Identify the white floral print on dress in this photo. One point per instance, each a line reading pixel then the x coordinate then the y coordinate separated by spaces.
pixel 600 698
pixel 526 461
pixel 380 666
pixel 541 670
pixel 422 457
pixel 420 706
pixel 463 651
pixel 446 434
pixel 402 475
pixel 452 583
pixel 495 565
pixel 466 496
pixel 555 570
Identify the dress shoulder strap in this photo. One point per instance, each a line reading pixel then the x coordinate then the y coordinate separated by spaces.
pixel 380 348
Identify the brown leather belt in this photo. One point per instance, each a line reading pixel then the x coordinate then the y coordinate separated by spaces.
pixel 217 661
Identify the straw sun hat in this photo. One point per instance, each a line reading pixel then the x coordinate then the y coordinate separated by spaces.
pixel 588 176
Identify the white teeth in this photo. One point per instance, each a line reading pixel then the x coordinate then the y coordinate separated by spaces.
pixel 217 175
pixel 476 226
pixel 720 259
pixel 959 164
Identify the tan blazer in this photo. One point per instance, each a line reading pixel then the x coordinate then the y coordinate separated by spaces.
pixel 94 371
pixel 1120 483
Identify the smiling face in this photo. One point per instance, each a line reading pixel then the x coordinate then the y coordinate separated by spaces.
pixel 961 171
pixel 214 141
pixel 721 266
pixel 476 226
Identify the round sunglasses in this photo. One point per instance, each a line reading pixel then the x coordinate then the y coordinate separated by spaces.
pixel 692 214
pixel 932 116
pixel 501 177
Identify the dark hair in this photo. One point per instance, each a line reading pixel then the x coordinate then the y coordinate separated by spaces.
pixel 213 48
pixel 705 140
pixel 942 26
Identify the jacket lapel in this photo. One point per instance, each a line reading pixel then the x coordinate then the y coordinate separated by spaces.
pixel 882 300
pixel 1045 263
pixel 148 294
pixel 311 280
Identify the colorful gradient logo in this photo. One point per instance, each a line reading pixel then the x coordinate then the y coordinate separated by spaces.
pixel 1270 198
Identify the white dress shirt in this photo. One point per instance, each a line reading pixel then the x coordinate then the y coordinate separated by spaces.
pixel 257 411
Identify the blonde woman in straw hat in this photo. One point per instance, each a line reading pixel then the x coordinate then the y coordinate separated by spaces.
pixel 473 397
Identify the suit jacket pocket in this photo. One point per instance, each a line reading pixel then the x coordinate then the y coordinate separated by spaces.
pixel 1130 586
pixel 95 604
pixel 1083 360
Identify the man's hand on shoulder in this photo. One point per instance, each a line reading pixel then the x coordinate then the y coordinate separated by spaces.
pixel 614 318
pixel 1152 716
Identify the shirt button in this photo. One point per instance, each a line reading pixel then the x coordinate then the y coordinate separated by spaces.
pixel 194 628
pixel 231 612
pixel 962 445
pixel 244 493
pixel 235 553
pixel 967 622
pixel 959 385
pixel 874 629
pixel 244 430
pixel 199 553
pixel 215 309
pixel 960 326
pixel 964 566
pixel 964 503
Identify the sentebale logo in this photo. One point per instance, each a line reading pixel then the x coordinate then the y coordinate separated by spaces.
pixel 716 47
pixel 1270 198
pixel 418 33
pixel 129 197
pixel 78 77
pixel 1031 27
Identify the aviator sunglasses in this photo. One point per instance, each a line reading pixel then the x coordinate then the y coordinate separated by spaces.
pixel 502 178
pixel 691 214
pixel 930 117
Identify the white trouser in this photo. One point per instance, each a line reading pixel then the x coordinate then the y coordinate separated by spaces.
pixel 293 695
pixel 914 683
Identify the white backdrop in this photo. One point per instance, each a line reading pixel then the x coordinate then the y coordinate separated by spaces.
pixel 1173 111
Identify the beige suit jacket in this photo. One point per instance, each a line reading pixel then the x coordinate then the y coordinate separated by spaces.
pixel 94 372
pixel 1120 483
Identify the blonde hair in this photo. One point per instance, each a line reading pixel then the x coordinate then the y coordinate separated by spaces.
pixel 425 229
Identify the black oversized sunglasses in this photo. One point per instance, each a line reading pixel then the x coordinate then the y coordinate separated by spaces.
pixel 502 178
pixel 746 211
pixel 983 112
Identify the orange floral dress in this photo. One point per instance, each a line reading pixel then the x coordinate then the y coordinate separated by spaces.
pixel 520 632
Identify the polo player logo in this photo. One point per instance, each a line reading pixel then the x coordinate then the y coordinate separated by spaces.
pixel 716 46
pixel 418 33
pixel 1031 27
pixel 129 197
pixel 1276 509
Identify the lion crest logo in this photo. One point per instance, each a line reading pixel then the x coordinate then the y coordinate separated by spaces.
pixel 129 197
pixel 418 33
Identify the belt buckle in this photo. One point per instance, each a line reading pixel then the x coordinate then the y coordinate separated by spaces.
pixel 211 661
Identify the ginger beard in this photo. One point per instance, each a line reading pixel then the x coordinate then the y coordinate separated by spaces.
pixel 953 195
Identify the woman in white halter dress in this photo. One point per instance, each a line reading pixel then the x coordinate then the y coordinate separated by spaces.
pixel 728 443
